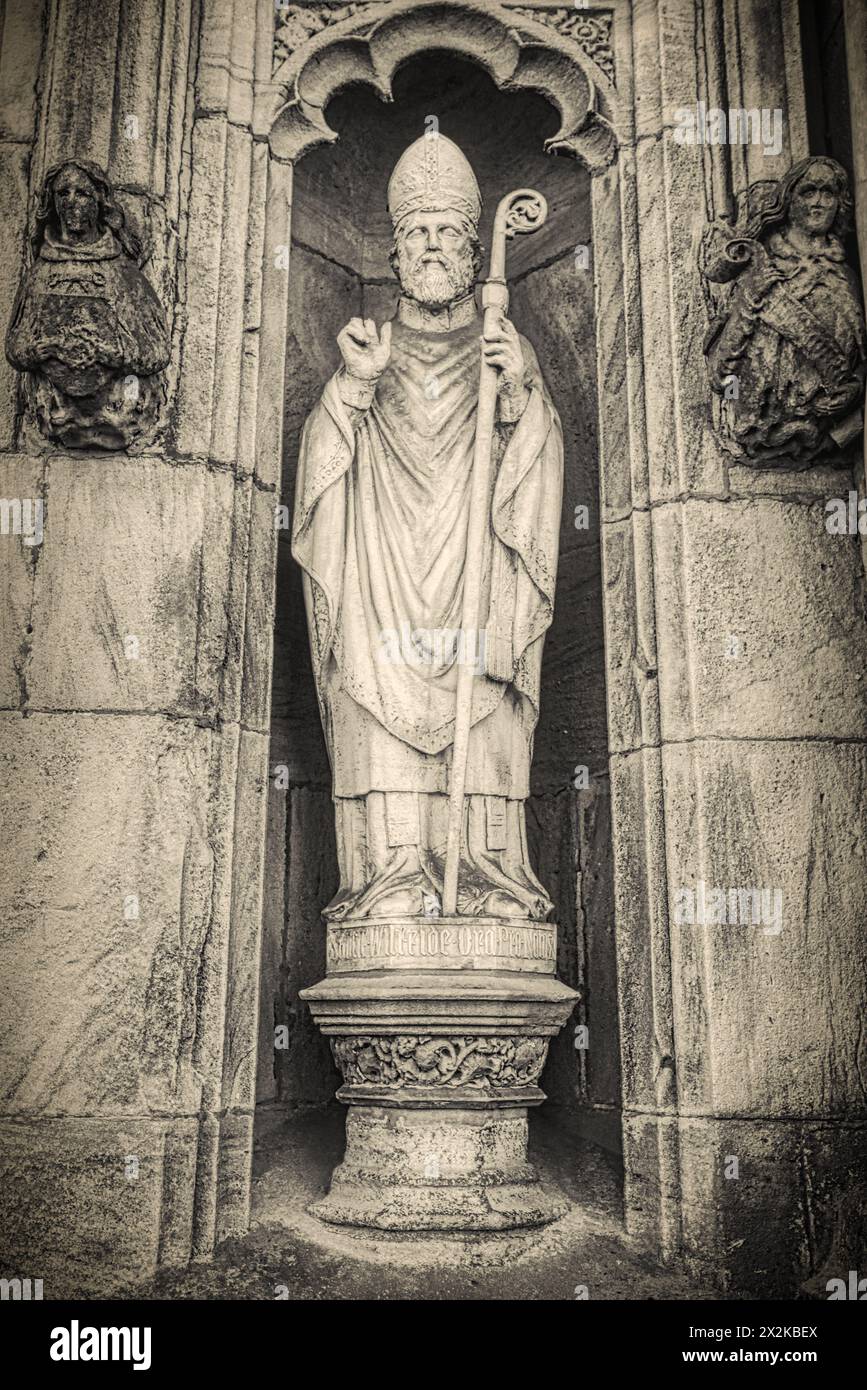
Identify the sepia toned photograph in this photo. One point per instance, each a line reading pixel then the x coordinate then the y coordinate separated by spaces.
pixel 433 662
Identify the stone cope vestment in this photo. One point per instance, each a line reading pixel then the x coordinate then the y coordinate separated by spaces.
pixel 380 532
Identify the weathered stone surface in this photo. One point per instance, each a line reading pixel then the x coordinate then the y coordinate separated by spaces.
pixel 194 402
pixel 22 491
pixel 300 867
pixel 787 1203
pixel 129 607
pixel 631 661
pixel 119 900
pixel 273 928
pixel 267 323
pixel 761 1028
pixel 116 905
pixel 643 948
pixel 552 307
pixel 90 1204
pixel 305 1072
pixel 260 558
pixel 20 51
pixel 570 844
pixel 296 729
pixel 242 961
pixel 13 204
pixel 462 1170
pixel 322 298
pixel 651 1183
pixel 771 645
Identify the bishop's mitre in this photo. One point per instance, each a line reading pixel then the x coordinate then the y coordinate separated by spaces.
pixel 433 175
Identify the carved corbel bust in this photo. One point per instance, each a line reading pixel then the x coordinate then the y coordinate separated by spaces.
pixel 786 347
pixel 87 328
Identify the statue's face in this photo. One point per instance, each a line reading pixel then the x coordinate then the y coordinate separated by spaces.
pixel 77 204
pixel 435 262
pixel 815 202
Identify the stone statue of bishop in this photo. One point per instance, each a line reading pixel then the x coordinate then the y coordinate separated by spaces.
pixel 380 531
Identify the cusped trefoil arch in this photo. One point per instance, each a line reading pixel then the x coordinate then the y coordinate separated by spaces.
pixel 373 40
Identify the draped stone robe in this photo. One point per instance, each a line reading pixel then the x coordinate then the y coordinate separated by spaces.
pixel 380 525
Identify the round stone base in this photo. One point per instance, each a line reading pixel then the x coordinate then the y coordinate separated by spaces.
pixel 437 1170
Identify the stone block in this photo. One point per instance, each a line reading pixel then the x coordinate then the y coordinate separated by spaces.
pixel 92 1204
pixel 22 490
pixel 14 165
pixel 643 949
pixel 772 1209
pixel 20 52
pixel 258 621
pixel 768 1014
pixel 128 609
pixel 631 669
pixel 116 904
pixel 415 1170
pixel 772 642
pixel 242 961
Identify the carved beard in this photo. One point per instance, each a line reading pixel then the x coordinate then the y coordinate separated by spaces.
pixel 436 282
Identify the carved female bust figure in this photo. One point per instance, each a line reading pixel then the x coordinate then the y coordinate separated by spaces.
pixel 786 350
pixel 87 327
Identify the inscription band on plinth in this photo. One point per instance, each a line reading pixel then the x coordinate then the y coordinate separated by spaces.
pixel 442 943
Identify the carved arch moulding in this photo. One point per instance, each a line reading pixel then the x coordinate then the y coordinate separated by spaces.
pixel 564 54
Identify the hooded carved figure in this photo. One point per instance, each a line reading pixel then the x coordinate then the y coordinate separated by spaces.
pixel 380 529
pixel 87 327
pixel 786 349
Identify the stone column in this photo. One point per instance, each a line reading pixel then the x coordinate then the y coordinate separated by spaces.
pixel 135 720
pixel 855 17
pixel 738 714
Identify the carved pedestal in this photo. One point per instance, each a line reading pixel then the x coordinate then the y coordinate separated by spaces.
pixel 440 1028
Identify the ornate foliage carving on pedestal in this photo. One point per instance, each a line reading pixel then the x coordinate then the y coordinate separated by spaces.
pixel 786 348
pixel 419 1060
pixel 87 328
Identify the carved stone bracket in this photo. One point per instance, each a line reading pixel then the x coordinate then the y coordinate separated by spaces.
pixel 318 50
pixel 786 348
pixel 87 328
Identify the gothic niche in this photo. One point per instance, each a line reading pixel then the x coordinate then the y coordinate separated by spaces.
pixel 786 347
pixel 87 328
pixel 439 1013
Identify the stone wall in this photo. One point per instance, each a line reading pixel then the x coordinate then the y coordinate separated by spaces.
pixel 134 719
pixel 136 786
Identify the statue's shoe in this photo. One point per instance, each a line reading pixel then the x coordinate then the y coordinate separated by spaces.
pixel 502 904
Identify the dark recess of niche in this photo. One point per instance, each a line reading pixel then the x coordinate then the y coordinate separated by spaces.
pixel 826 87
pixel 503 136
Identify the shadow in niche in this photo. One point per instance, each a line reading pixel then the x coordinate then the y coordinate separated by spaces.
pixel 341 237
